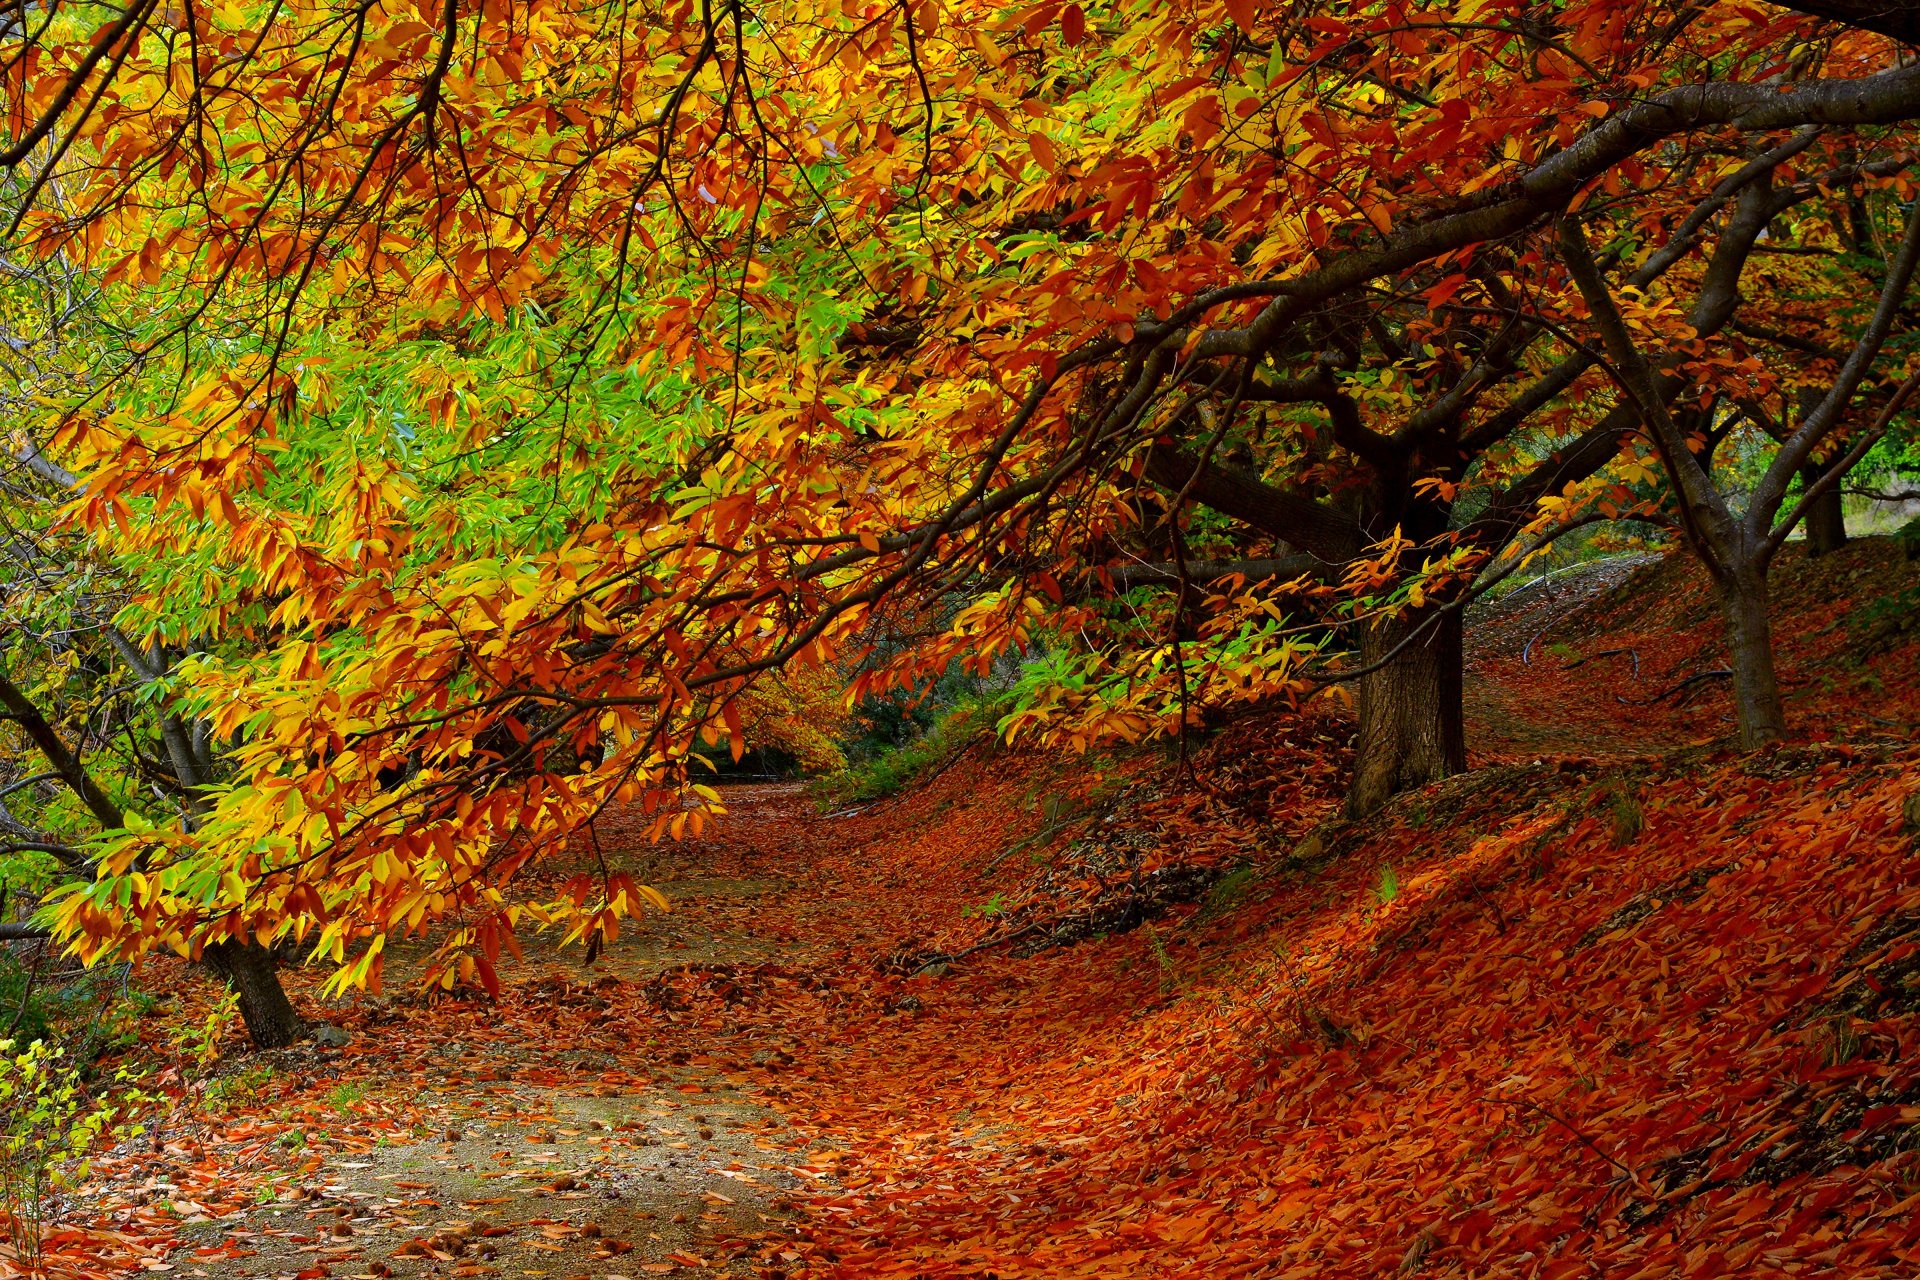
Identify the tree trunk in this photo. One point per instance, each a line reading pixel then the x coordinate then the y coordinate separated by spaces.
pixel 1826 519
pixel 1412 726
pixel 249 969
pixel 1756 689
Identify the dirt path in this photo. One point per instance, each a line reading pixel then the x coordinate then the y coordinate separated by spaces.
pixel 598 1122
pixel 546 1138
pixel 1531 635
pixel 528 1180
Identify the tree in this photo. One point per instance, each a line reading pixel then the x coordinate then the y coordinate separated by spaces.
pixel 1738 547
pixel 109 697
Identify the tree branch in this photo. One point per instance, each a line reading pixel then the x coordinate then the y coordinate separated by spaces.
pixel 1200 572
pixel 1313 526
pixel 65 763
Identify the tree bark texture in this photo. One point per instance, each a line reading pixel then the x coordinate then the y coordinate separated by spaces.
pixel 1412 721
pixel 1826 519
pixel 1756 687
pixel 250 970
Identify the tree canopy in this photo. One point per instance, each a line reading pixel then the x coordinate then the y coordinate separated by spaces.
pixel 490 411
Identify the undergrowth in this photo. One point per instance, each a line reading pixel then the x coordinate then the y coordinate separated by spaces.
pixel 88 1013
pixel 890 771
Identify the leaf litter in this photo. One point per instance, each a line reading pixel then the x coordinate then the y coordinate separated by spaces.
pixel 1564 1044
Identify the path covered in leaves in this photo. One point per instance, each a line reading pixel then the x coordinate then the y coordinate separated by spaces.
pixel 1621 1014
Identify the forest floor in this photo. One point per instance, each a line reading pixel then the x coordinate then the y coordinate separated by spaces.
pixel 1618 1002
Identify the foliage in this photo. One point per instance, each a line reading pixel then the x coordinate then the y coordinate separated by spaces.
pixel 890 770
pixel 520 402
pixel 50 1124
pixel 199 1042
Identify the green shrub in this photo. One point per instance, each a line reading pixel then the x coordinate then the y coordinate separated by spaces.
pixel 48 1124
pixel 1908 538
pixel 893 769
pixel 88 1013
pixel 23 1003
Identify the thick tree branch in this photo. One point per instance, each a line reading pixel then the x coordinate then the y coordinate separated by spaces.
pixel 1312 526
pixel 20 708
pixel 1543 191
pixel 1768 494
pixel 1713 310
pixel 71 858
pixel 1897 18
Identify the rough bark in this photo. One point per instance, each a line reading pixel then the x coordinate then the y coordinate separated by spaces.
pixel 1826 519
pixel 250 970
pixel 1756 686
pixel 1412 724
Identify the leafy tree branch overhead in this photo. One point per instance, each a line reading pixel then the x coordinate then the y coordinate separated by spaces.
pixel 498 411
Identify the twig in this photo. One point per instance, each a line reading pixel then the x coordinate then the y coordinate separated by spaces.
pixel 948 957
pixel 1721 673
pixel 1027 842
pixel 26 991
pixel 1585 1141
pixel 1607 653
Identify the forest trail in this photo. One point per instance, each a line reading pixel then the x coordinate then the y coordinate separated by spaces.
pixel 564 1131
pixel 1590 1010
pixel 522 1138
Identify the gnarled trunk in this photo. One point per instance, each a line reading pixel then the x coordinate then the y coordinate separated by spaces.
pixel 1412 726
pixel 250 969
pixel 1826 519
pixel 1756 688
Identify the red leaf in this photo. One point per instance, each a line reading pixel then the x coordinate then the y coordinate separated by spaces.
pixel 1073 24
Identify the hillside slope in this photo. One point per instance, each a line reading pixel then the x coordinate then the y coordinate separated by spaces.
pixel 1627 656
pixel 1656 1020
pixel 1583 1015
